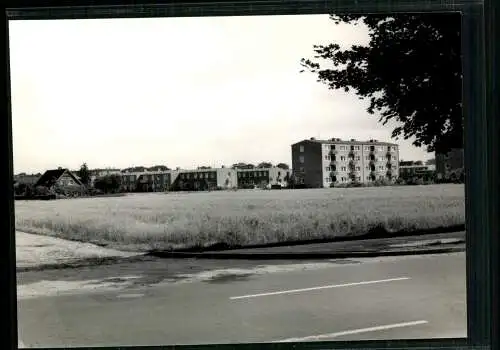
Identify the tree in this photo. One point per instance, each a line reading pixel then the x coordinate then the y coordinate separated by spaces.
pixel 410 72
pixel 265 165
pixel 108 183
pixel 431 161
pixel 84 174
pixel 158 168
pixel 242 166
pixel 283 166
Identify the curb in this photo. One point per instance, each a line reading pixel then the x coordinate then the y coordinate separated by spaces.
pixel 300 255
pixel 370 236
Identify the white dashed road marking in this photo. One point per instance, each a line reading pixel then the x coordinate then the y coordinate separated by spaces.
pixel 353 331
pixel 129 296
pixel 292 291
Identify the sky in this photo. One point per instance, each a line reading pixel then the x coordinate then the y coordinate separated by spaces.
pixel 181 92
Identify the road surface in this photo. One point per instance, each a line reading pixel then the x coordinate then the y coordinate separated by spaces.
pixel 161 302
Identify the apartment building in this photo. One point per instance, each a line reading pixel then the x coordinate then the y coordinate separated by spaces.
pixel 409 171
pixel 325 163
pixel 449 162
pixel 262 177
pixel 202 179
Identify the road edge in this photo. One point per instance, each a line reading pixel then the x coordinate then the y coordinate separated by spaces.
pixel 301 255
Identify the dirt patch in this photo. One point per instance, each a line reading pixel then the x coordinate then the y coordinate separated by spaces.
pixel 36 250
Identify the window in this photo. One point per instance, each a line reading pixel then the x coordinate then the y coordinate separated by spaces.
pixel 358 168
pixel 367 158
pixel 301 148
pixel 327 168
pixel 357 148
pixel 367 148
pixel 358 158
pixel 301 159
pixel 342 158
pixel 279 173
pixel 342 179
pixel 301 169
pixel 343 168
pixel 332 147
pixel 327 179
pixel 342 148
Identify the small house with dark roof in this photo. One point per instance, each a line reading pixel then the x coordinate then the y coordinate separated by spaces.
pixel 60 177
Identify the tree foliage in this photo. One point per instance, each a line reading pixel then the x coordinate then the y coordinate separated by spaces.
pixel 108 183
pixel 265 165
pixel 84 174
pixel 243 166
pixel 410 72
pixel 283 166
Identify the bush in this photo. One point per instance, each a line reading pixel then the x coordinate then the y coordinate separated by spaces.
pixel 400 181
pixel 42 191
pixel 382 182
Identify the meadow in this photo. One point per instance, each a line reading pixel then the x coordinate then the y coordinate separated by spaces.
pixel 183 220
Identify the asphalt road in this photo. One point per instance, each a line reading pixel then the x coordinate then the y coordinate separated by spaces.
pixel 161 302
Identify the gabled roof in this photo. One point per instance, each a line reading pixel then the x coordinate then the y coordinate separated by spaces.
pixel 50 177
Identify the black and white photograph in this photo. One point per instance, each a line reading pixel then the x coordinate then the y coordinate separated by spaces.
pixel 246 179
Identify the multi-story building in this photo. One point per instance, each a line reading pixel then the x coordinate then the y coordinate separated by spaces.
pixel 449 162
pixel 409 171
pixel 202 179
pixel 325 163
pixel 262 177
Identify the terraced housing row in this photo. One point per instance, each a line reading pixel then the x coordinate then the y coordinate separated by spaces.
pixel 204 179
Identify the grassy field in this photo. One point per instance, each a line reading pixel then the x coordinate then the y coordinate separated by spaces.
pixel 177 220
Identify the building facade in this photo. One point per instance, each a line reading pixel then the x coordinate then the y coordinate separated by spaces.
pixel 203 179
pixel 326 163
pixel 421 171
pixel 449 162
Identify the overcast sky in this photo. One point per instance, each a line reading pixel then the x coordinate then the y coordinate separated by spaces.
pixel 177 91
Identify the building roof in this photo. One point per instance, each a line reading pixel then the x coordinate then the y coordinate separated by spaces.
pixel 338 141
pixel 50 177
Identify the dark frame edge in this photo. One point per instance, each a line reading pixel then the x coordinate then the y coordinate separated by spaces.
pixel 481 133
pixel 476 189
pixel 8 245
pixel 492 97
